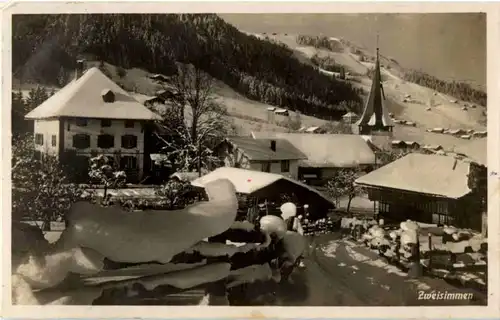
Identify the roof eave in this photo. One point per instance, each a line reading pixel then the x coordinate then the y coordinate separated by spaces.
pixel 374 186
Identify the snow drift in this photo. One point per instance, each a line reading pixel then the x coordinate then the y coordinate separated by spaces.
pixel 150 235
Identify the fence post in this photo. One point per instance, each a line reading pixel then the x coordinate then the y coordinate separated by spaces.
pixel 398 247
pixel 430 251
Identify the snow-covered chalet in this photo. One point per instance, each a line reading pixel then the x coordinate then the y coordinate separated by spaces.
pixel 93 115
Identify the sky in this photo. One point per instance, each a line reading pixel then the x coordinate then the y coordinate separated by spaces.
pixel 450 46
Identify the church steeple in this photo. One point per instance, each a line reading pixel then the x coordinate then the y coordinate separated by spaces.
pixel 375 118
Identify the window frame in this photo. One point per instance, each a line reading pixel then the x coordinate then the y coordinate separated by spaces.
pixel 384 207
pixel 54 140
pixel 285 165
pixel 106 123
pixel 131 146
pixel 81 135
pixel 266 166
pixel 101 136
pixel 126 159
pixel 81 122
pixel 129 124
pixel 39 139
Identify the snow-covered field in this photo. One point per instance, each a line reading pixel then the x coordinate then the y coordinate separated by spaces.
pixel 444 112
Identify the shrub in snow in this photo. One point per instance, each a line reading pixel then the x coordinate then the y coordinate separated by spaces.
pixel 175 194
pixel 40 189
pixel 104 171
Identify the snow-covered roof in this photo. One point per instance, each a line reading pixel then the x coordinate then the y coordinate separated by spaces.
pixel 260 149
pixel 475 149
pixel 281 111
pixel 187 176
pixel 327 150
pixel 429 174
pixel 312 129
pixel 349 115
pixel 82 98
pixel 249 181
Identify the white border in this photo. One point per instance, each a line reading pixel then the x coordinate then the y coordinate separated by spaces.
pixel 493 41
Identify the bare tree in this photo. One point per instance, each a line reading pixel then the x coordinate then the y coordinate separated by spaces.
pixel 192 120
pixel 342 184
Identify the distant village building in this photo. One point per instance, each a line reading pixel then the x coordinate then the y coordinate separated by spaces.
pixel 375 119
pixel 266 155
pixel 282 112
pixel 92 115
pixel 424 188
pixel 326 153
pixel 479 134
pixel 398 144
pixel 350 118
pixel 457 131
pixel 437 130
pixel 315 130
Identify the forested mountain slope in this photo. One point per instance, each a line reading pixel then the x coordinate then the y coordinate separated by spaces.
pixel 45 48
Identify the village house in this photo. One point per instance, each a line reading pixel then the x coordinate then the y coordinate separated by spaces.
pixel 350 118
pixel 266 155
pixel 92 115
pixel 424 188
pixel 407 145
pixel 268 189
pixel 326 153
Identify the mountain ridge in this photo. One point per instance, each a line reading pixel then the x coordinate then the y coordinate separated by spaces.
pixel 258 69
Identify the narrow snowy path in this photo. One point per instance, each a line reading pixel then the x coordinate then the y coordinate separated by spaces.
pixel 342 273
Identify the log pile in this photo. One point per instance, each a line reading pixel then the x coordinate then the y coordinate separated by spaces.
pixel 456 255
pixel 320 226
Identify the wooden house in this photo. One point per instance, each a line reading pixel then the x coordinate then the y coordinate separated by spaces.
pixel 267 155
pixel 325 154
pixel 424 188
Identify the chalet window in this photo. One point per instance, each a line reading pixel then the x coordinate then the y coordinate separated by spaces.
pixel 105 141
pixel 266 166
pixel 105 123
pixel 39 139
pixel 128 163
pixel 441 207
pixel 81 122
pixel 81 141
pixel 383 207
pixel 129 141
pixel 54 140
pixel 285 165
pixel 129 123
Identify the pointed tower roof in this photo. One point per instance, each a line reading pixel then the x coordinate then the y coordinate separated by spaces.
pixel 375 114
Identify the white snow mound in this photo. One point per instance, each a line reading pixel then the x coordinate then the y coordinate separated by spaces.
pixel 294 244
pixel 288 210
pixel 153 235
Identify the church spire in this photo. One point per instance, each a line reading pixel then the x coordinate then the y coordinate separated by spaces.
pixel 375 116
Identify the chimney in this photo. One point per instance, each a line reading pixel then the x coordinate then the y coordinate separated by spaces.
pixel 80 64
pixel 273 145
